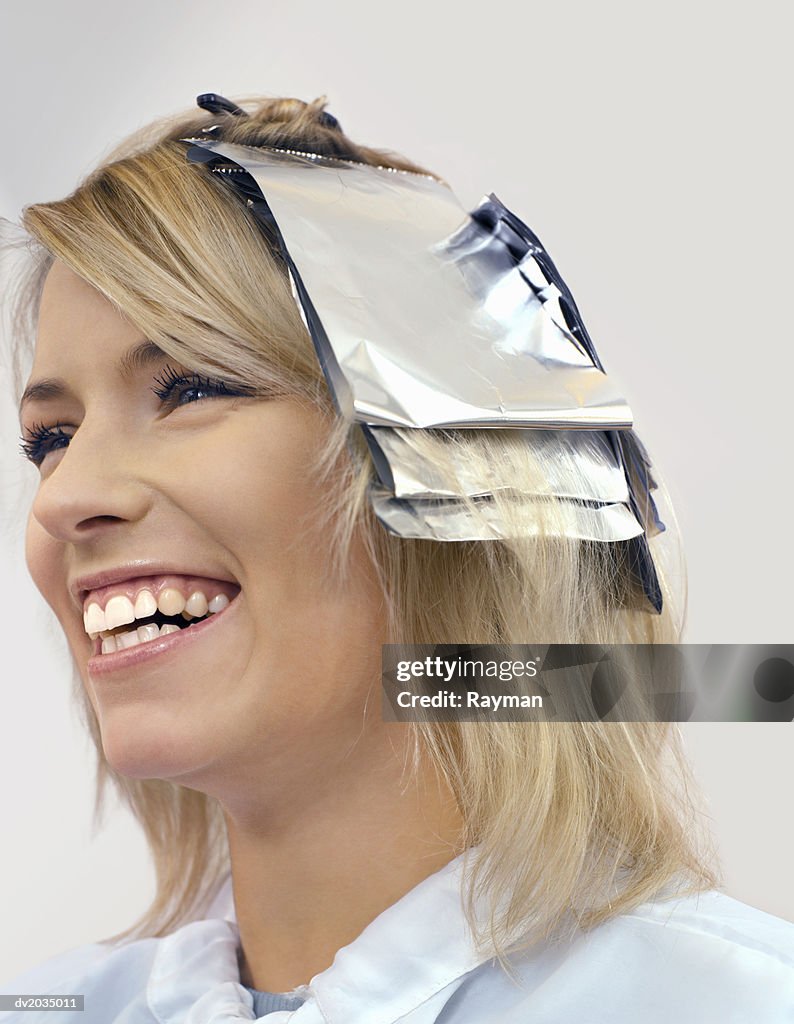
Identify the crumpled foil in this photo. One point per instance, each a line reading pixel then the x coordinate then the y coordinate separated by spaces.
pixel 427 318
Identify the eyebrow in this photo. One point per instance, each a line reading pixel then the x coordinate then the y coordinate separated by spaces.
pixel 139 356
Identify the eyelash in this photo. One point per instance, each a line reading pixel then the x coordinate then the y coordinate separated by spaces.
pixel 170 379
pixel 39 442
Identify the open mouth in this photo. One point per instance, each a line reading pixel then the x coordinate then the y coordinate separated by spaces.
pixel 159 624
pixel 152 635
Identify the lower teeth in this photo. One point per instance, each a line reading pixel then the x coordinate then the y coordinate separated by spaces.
pixel 141 635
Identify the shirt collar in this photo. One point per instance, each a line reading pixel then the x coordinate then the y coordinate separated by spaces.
pixel 415 951
pixel 409 953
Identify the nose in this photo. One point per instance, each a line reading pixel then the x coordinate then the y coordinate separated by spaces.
pixel 97 484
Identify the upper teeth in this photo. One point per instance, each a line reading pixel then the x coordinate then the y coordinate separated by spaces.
pixel 120 610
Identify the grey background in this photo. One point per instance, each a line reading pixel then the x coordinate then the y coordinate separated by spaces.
pixel 648 147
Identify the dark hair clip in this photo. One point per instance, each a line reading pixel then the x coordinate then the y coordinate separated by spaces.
pixel 329 120
pixel 218 104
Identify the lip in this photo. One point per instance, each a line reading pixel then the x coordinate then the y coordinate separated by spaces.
pixel 81 586
pixel 163 647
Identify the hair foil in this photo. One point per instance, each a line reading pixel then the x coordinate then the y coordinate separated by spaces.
pixel 430 323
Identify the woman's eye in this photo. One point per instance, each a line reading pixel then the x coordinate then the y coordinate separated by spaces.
pixel 181 389
pixel 42 440
pixel 172 388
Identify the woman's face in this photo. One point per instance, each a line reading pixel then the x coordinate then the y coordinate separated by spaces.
pixel 198 497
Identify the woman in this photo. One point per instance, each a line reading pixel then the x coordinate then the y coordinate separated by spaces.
pixel 315 862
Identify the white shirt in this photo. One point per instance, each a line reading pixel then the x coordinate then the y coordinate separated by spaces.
pixel 705 959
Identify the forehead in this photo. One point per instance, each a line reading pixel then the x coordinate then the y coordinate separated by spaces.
pixel 75 318
pixel 81 339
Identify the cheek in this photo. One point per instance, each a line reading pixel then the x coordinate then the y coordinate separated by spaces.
pixel 248 484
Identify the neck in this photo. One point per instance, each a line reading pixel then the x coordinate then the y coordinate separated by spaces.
pixel 307 883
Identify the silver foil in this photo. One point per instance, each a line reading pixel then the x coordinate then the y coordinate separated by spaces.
pixel 451 520
pixel 425 321
pixel 427 318
pixel 577 463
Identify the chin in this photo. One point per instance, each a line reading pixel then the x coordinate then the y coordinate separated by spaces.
pixel 141 751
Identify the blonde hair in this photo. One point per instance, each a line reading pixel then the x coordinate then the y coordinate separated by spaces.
pixel 565 822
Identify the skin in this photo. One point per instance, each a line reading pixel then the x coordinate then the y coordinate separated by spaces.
pixel 277 713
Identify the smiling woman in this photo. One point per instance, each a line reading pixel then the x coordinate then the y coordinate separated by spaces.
pixel 127 525
pixel 202 531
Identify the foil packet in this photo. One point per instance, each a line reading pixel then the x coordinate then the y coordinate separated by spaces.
pixel 427 318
